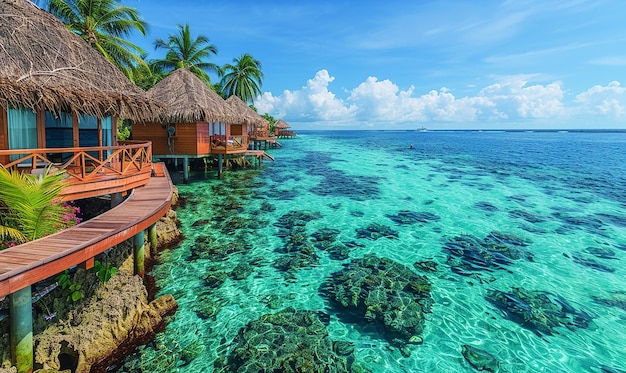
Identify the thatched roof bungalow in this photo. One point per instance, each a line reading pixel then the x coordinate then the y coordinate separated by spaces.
pixel 55 90
pixel 60 100
pixel 197 121
pixel 258 127
pixel 281 129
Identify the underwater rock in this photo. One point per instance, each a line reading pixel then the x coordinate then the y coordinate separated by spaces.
pixel 326 235
pixel 291 262
pixel 406 217
pixel 426 266
pixel 215 279
pixel 618 300
pixel 467 253
pixel 525 215
pixel 600 252
pixel 607 369
pixel 267 207
pixel 297 218
pixel 241 271
pixel 338 251
pixel 538 311
pixel 486 206
pixel 384 292
pixel 375 231
pixel 583 259
pixel 115 320
pixel 288 341
pixel 480 359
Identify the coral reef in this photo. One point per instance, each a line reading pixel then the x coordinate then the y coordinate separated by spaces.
pixel 384 292
pixel 375 231
pixel 539 311
pixel 406 217
pixel 298 251
pixel 480 359
pixel 467 254
pixel 288 341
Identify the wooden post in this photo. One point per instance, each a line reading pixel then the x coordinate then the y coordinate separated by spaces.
pixel 186 170
pixel 139 253
pixel 21 319
pixel 116 199
pixel 220 166
pixel 152 236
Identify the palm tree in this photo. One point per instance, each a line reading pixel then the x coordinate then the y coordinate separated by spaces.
pixel 147 75
pixel 29 206
pixel 243 78
pixel 184 51
pixel 104 24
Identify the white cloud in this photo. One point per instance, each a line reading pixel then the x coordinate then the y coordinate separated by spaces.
pixel 313 102
pixel 608 101
pixel 383 104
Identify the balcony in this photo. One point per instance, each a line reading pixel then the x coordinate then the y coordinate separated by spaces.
pixel 91 171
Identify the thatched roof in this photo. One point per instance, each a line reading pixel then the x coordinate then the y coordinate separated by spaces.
pixel 46 66
pixel 281 124
pixel 188 99
pixel 249 115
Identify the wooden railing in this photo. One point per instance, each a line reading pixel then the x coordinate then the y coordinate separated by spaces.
pixel 221 144
pixel 88 165
pixel 259 135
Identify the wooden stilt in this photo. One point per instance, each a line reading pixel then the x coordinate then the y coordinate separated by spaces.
pixel 139 253
pixel 220 165
pixel 186 170
pixel 116 199
pixel 21 319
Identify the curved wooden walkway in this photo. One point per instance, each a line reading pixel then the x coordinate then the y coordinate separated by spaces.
pixel 31 262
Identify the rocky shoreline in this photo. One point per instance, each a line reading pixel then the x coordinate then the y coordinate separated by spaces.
pixel 111 320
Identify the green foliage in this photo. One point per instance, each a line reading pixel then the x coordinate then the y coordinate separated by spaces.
pixel 103 24
pixel 124 128
pixel 270 119
pixel 104 271
pixel 147 75
pixel 72 290
pixel 243 78
pixel 29 204
pixel 183 51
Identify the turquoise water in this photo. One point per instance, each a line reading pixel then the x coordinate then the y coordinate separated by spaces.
pixel 521 236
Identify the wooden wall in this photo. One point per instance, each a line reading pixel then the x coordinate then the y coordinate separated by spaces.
pixel 190 138
pixel 151 132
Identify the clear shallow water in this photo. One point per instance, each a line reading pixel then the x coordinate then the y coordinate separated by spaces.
pixel 556 200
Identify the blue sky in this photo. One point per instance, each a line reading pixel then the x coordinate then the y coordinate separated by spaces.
pixel 406 64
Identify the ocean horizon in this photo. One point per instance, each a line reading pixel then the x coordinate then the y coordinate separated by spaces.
pixel 353 251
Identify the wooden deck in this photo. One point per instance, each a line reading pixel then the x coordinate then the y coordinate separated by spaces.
pixel 92 171
pixel 258 154
pixel 31 262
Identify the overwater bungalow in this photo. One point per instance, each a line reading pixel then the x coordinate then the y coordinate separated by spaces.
pixel 281 129
pixel 197 122
pixel 60 100
pixel 59 104
pixel 257 126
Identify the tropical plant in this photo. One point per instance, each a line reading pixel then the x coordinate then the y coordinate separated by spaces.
pixel 270 119
pixel 104 24
pixel 183 51
pixel 147 75
pixel 30 204
pixel 104 271
pixel 72 290
pixel 243 78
